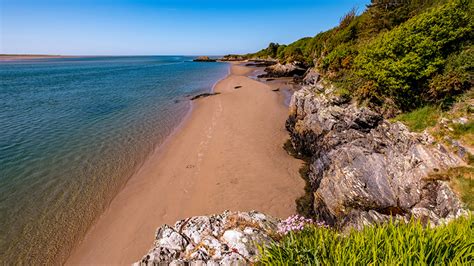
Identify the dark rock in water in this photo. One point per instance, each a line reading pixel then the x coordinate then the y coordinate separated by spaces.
pixel 364 169
pixel 237 87
pixel 206 94
pixel 230 238
pixel 204 59
pixel 279 70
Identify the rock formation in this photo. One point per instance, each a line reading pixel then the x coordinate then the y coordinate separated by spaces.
pixel 260 63
pixel 229 238
pixel 204 59
pixel 364 169
pixel 231 57
pixel 286 70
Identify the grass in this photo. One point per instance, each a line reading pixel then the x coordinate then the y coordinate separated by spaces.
pixel 420 119
pixel 464 132
pixel 463 184
pixel 461 180
pixel 384 244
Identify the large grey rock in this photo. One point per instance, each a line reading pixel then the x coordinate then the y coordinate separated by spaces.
pixel 229 238
pixel 286 70
pixel 364 169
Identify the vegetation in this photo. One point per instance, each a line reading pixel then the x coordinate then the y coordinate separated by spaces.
pixel 385 244
pixel 420 119
pixel 398 53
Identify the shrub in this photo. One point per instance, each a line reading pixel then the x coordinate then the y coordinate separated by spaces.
pixel 402 60
pixel 385 244
pixel 456 77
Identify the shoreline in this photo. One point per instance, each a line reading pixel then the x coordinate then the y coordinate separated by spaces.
pixel 13 58
pixel 203 167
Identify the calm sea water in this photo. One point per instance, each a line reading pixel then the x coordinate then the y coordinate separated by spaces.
pixel 72 131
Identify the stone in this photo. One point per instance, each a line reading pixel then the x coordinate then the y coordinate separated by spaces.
pixel 283 70
pixel 230 238
pixel 365 169
pixel 204 59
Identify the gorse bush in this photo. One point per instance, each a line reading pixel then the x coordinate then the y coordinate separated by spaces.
pixel 385 244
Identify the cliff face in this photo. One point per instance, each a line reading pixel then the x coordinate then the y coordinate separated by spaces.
pixel 364 169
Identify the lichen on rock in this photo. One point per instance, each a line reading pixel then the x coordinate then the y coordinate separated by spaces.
pixel 227 238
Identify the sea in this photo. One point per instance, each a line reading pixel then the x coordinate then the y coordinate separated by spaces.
pixel 73 131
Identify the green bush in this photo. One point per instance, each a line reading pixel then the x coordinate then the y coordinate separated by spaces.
pixel 403 54
pixel 456 77
pixel 339 58
pixel 401 61
pixel 385 244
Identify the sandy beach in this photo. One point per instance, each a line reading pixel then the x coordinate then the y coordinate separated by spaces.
pixel 227 155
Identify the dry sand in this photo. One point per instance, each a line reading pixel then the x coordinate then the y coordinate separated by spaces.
pixel 227 155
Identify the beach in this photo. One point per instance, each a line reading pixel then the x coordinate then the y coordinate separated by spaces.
pixel 226 155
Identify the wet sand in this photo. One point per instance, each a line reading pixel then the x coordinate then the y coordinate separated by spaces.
pixel 227 155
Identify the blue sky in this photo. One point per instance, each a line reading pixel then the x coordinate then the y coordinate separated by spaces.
pixel 147 27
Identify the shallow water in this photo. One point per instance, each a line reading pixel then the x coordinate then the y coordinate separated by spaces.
pixel 72 131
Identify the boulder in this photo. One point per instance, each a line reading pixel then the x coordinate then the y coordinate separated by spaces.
pixel 204 59
pixel 311 77
pixel 286 70
pixel 227 238
pixel 232 58
pixel 365 169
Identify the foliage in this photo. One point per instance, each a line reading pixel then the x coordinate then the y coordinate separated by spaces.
pixel 385 244
pixel 401 61
pixel 420 119
pixel 407 53
pixel 456 77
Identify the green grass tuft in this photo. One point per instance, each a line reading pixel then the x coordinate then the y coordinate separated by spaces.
pixel 420 119
pixel 385 244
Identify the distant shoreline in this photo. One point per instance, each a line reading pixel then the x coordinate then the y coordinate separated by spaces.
pixel 19 57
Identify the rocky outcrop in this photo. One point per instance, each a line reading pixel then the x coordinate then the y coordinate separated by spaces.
pixel 364 169
pixel 230 238
pixel 231 58
pixel 204 59
pixel 260 63
pixel 286 70
pixel 311 77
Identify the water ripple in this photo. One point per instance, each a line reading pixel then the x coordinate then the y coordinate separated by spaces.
pixel 73 131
